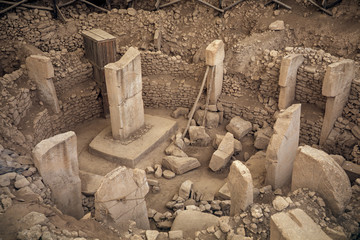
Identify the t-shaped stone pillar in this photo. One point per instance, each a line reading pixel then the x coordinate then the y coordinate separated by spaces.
pixel 287 79
pixel 336 87
pixel 41 71
pixel 215 55
pixel 124 87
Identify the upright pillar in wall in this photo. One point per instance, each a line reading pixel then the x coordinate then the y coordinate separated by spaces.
pixel 287 79
pixel 57 161
pixel 41 71
pixel 336 87
pixel 281 152
pixel 100 49
pixel 124 86
pixel 215 55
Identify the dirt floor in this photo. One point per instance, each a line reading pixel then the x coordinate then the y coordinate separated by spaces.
pixel 205 180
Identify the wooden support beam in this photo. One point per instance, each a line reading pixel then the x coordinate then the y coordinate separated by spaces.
pixel 168 4
pixel 93 5
pixel 28 5
pixel 209 5
pixel 321 8
pixel 279 3
pixel 60 14
pixel 233 5
pixel 12 6
pixel 157 4
pixel 191 114
pixel 67 3
pixel 208 93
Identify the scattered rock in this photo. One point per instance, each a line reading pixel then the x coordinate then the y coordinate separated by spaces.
pixel 277 25
pixel 168 174
pixel 279 203
pixel 180 165
pixel 198 136
pixel 181 111
pixel 239 127
pixel 223 154
pixel 185 189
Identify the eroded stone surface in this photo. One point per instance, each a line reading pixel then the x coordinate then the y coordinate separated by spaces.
pixel 180 165
pixel 239 127
pixel 318 171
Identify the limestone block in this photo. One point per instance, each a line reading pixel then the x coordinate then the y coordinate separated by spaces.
pixel 277 25
pixel 262 138
pixel 287 79
pixel 282 148
pixel 57 162
pixel 41 71
pixel 120 198
pixel 198 136
pixel 127 117
pixel 90 182
pixel 239 127
pixel 180 165
pixel 223 154
pixel 338 78
pixel 185 189
pixel 352 170
pixel 180 111
pixel 256 166
pixel 173 150
pixel 212 118
pixel 224 192
pixel 318 171
pixel 215 53
pixel 190 221
pixel 124 89
pixel 336 86
pixel 295 225
pixel 241 187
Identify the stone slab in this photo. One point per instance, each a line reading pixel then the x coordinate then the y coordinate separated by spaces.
pixel 295 225
pixel 129 155
pixel 180 165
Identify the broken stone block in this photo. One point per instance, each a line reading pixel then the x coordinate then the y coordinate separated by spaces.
pixel 175 151
pixel 90 182
pixel 282 148
pixel 224 192
pixel 57 162
pixel 239 127
pixel 336 87
pixel 287 79
pixel 352 170
pixel 223 154
pixel 241 187
pixel 180 165
pixel 316 170
pixel 279 203
pixel 295 224
pixel 190 221
pixel 212 118
pixel 185 189
pixel 262 138
pixel 31 219
pixel 256 166
pixel 277 25
pixel 151 234
pixel 198 136
pixel 180 111
pixel 121 197
pixel 176 234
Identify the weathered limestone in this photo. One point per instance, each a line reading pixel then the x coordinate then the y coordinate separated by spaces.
pixel 240 186
pixel 282 148
pixel 124 87
pixel 120 198
pixel 239 127
pixel 295 225
pixel 180 165
pixel 190 221
pixel 336 87
pixel 185 189
pixel 57 161
pixel 287 79
pixel 318 171
pixel 223 154
pixel 41 71
pixel 215 55
pixel 198 136
pixel 100 49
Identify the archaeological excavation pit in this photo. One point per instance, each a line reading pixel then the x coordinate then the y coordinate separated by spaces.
pixel 180 119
